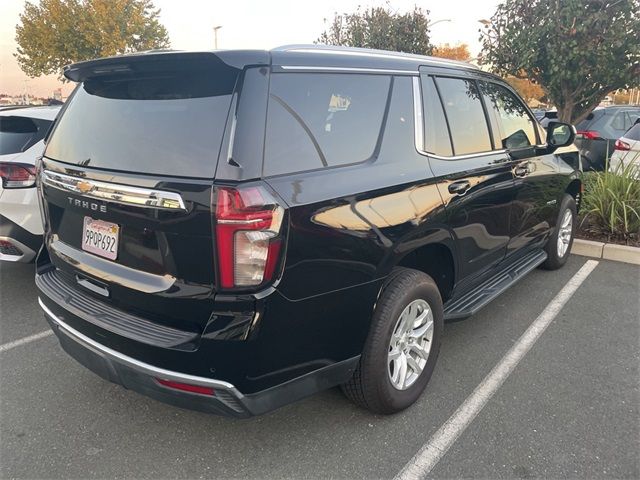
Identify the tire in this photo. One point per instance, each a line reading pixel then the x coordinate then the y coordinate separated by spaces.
pixel 372 387
pixel 556 256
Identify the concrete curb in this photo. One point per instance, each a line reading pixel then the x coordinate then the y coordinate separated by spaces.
pixel 606 251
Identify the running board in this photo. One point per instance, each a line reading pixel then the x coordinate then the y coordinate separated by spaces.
pixel 474 300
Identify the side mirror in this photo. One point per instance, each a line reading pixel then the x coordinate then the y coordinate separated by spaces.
pixel 560 134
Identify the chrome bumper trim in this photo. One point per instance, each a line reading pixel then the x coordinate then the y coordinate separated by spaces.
pixel 137 365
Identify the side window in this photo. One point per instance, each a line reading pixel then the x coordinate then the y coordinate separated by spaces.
pixel 436 133
pixel 398 142
pixel 465 114
pixel 517 128
pixel 322 120
pixel 633 133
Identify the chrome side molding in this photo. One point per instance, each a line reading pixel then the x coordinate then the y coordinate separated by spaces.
pixel 113 192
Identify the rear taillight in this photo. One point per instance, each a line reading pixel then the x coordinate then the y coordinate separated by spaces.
pixel 248 236
pixel 17 175
pixel 620 145
pixel 589 134
pixel 186 387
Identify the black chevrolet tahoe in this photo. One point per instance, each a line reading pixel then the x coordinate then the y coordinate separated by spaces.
pixel 231 231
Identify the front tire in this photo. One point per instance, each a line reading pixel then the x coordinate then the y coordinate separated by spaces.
pixel 403 344
pixel 561 240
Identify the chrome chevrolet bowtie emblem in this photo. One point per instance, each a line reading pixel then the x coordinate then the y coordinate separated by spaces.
pixel 84 187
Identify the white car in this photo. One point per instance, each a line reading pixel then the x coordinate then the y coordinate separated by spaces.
pixel 22 131
pixel 627 152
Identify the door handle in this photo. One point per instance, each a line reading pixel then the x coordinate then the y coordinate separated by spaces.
pixel 521 170
pixel 459 188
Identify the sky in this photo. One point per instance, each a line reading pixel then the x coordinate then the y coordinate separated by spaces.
pixel 260 24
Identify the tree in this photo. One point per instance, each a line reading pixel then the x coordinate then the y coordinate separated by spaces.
pixel 380 28
pixel 55 33
pixel 526 88
pixel 577 50
pixel 457 52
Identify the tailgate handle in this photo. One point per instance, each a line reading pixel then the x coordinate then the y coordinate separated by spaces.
pixel 89 285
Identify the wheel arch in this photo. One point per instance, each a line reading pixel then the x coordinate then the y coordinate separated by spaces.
pixel 575 189
pixel 437 260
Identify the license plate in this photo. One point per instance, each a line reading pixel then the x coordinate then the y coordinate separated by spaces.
pixel 100 237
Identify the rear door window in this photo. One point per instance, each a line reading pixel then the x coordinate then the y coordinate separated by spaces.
pixel 323 120
pixel 516 127
pixel 167 124
pixel 18 134
pixel 465 114
pixel 436 133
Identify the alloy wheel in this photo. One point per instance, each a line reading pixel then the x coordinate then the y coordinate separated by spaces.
pixel 564 233
pixel 410 344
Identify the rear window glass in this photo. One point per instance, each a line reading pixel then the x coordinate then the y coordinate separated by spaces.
pixel 465 114
pixel 167 124
pixel 322 120
pixel 591 118
pixel 18 134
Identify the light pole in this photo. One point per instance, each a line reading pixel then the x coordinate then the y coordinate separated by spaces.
pixel 215 36
pixel 431 24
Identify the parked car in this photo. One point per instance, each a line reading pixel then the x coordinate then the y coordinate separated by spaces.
pixel 22 130
pixel 598 133
pixel 547 116
pixel 627 151
pixel 232 231
pixel 538 113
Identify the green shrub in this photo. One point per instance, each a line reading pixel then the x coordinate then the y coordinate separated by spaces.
pixel 611 203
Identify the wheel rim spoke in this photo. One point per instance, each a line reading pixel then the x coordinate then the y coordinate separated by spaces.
pixel 423 331
pixel 415 366
pixel 421 351
pixel 394 354
pixel 402 370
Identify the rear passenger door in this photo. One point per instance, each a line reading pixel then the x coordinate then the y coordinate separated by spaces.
pixel 537 184
pixel 473 174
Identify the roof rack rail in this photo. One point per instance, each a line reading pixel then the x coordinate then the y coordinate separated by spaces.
pixel 369 52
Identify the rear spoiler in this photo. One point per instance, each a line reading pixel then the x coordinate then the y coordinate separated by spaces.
pixel 155 61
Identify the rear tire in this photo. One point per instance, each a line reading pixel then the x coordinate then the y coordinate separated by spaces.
pixel 560 242
pixel 406 327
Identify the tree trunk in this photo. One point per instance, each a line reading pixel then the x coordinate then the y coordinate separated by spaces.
pixel 565 111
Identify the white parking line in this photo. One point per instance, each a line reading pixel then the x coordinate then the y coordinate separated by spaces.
pixel 431 452
pixel 23 341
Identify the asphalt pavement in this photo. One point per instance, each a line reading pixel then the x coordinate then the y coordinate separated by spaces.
pixel 569 409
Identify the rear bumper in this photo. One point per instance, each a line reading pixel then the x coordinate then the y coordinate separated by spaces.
pixel 226 399
pixel 25 244
pixel 142 377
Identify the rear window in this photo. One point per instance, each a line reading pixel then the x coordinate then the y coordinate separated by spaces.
pixel 322 120
pixel 18 134
pixel 167 124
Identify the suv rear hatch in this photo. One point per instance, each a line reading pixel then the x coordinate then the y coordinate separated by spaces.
pixel 127 183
